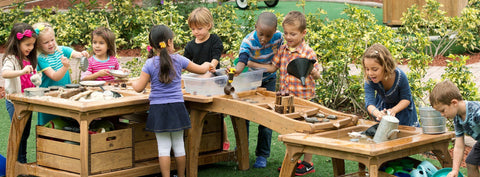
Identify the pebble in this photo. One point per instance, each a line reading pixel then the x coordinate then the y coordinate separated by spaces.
pixel 320 115
pixel 333 117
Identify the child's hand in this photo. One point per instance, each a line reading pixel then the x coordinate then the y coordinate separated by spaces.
pixel 27 69
pixel 85 54
pixel 103 72
pixel 211 68
pixel 65 62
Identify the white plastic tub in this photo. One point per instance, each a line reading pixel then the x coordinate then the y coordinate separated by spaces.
pixel 205 85
pixel 248 80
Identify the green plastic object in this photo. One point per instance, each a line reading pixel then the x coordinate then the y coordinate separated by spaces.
pixel 390 170
pixel 57 123
pixel 235 63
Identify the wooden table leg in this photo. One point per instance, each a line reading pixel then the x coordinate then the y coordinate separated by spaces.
pixel 292 154
pixel 197 117
pixel 338 166
pixel 84 144
pixel 443 155
pixel 240 128
pixel 373 170
pixel 19 120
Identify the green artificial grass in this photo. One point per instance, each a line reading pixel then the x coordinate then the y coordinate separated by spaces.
pixel 333 9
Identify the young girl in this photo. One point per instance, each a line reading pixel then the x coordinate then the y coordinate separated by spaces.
pixel 167 117
pixel 103 59
pixel 205 47
pixel 53 60
pixel 386 87
pixel 18 62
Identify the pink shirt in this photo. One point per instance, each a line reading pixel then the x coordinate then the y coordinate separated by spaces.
pixel 25 79
pixel 95 65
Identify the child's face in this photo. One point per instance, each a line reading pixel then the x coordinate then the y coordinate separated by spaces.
pixel 47 42
pixel 447 111
pixel 99 46
pixel 27 45
pixel 373 70
pixel 201 33
pixel 293 35
pixel 265 33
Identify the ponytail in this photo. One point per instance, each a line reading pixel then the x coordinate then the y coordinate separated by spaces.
pixel 166 74
pixel 159 37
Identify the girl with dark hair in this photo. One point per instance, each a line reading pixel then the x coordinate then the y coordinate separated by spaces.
pixel 19 62
pixel 168 116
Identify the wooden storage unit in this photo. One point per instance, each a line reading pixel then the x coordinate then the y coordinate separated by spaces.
pixel 145 143
pixel 393 9
pixel 108 151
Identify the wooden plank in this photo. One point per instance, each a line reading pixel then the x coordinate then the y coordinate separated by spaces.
pixel 107 141
pixel 211 142
pixel 145 150
pixel 58 148
pixel 213 123
pixel 111 160
pixel 59 134
pixel 59 162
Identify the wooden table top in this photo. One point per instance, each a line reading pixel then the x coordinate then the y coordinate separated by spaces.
pixel 338 139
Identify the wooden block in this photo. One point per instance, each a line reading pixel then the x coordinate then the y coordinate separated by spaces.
pixel 145 150
pixel 107 141
pixel 111 160
pixel 58 162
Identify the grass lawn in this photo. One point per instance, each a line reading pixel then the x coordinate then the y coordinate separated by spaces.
pixel 322 164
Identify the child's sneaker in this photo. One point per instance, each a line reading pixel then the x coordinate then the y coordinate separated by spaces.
pixel 296 165
pixel 261 162
pixel 304 168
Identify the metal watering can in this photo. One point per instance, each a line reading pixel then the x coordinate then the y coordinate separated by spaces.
pixel 387 129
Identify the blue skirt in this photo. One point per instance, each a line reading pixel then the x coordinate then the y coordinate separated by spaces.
pixel 169 117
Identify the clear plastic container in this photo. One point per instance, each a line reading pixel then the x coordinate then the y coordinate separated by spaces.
pixel 204 84
pixel 248 80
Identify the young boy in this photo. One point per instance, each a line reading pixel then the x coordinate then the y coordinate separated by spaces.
pixel 445 98
pixel 294 26
pixel 259 47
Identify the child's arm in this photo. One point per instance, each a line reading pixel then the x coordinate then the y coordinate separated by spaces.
pixel 76 54
pixel 60 73
pixel 140 84
pixel 94 76
pixel 270 67
pixel 7 74
pixel 399 107
pixel 458 152
pixel 199 69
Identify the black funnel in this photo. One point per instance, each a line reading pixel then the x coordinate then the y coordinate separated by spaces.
pixel 300 68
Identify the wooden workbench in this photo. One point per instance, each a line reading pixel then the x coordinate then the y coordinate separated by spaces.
pixel 199 106
pixel 337 144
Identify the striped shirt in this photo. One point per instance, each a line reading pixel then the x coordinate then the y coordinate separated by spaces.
pixel 95 65
pixel 53 61
pixel 261 54
pixel 289 82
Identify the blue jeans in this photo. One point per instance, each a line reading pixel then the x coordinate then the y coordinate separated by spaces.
pixel 22 151
pixel 264 137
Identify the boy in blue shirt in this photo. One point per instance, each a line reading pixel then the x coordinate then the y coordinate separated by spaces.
pixel 445 97
pixel 260 46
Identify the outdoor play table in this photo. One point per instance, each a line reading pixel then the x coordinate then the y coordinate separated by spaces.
pixel 337 144
pixel 199 106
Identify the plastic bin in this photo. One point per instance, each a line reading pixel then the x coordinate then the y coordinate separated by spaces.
pixel 249 80
pixel 204 84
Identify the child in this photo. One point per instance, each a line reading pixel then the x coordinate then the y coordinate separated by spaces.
pixel 53 61
pixel 103 59
pixel 259 47
pixel 445 97
pixel 205 47
pixel 19 62
pixel 295 28
pixel 167 117
pixel 386 87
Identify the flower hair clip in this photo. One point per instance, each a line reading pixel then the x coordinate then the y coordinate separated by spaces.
pixel 162 45
pixel 149 48
pixel 39 29
pixel 376 52
pixel 26 33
